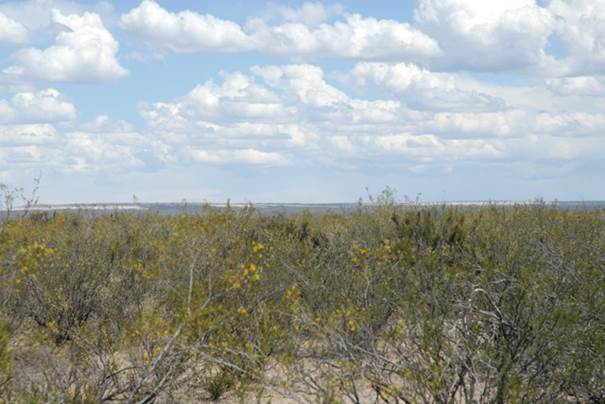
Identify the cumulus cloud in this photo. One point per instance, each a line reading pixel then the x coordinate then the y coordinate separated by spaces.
pixel 414 97
pixel 85 51
pixel 36 15
pixel 420 88
pixel 45 106
pixel 353 37
pixel 572 124
pixel 578 85
pixel 100 145
pixel 516 34
pixel 312 95
pixel 183 32
pixel 25 146
pixel 29 134
pixel 514 124
pixel 237 99
pixel 11 31
pixel 305 82
pixel 239 156
pixel 487 35
pixel 228 122
pixel 28 156
pixel 430 147
pixel 315 115
pixel 95 151
pixel 292 115
pixel 275 109
pixel 580 25
pixel 485 124
pixel 312 120
pixel 446 34
pixel 104 123
pixel 356 37
pixel 108 144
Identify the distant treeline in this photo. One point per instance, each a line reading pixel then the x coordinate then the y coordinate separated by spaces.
pixel 394 304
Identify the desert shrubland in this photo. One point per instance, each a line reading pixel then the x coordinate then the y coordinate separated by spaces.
pixel 389 303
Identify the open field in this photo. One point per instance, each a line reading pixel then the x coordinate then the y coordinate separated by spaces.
pixel 394 304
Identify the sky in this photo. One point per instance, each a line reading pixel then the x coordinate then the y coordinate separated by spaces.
pixel 293 101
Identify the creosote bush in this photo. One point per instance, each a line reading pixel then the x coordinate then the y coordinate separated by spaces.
pixel 390 303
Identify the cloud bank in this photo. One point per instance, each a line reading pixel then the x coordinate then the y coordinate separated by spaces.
pixel 515 88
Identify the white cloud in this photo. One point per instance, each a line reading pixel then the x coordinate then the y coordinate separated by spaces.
pixel 107 145
pixel 414 99
pixel 104 123
pixel 448 34
pixel 516 123
pixel 84 52
pixel 27 156
pixel 420 88
pixel 238 98
pixel 305 82
pixel 354 37
pixel 228 123
pixel 516 34
pixel 579 85
pixel 11 31
pixel 278 109
pixel 305 88
pixel 580 24
pixel 45 106
pixel 487 35
pixel 429 147
pixel 31 134
pixel 29 146
pixel 486 124
pixel 315 121
pixel 294 115
pixel 572 124
pixel 320 118
pixel 241 156
pixel 185 31
pixel 36 15
pixel 95 151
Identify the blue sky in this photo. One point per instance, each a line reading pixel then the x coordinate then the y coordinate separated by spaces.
pixel 293 101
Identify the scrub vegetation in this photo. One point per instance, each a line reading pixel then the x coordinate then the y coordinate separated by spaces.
pixel 395 303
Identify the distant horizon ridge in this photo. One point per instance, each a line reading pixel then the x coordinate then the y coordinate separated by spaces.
pixel 148 205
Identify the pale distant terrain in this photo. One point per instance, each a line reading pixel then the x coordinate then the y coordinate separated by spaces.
pixel 290 208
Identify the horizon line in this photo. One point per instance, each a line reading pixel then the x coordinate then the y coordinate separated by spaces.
pixel 147 205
